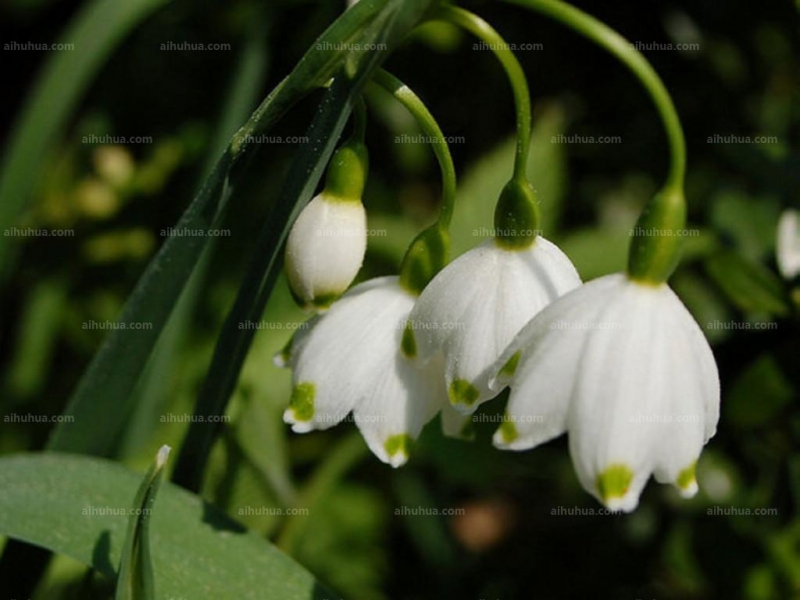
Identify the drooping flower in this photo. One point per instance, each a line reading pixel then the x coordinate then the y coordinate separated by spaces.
pixel 624 369
pixel 350 360
pixel 476 305
pixel 787 251
pixel 326 245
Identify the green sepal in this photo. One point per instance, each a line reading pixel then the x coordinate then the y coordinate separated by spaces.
pixel 347 172
pixel 516 217
pixel 657 238
pixel 425 257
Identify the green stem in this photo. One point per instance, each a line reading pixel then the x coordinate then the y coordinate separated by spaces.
pixel 617 45
pixel 516 76
pixel 359 121
pixel 433 132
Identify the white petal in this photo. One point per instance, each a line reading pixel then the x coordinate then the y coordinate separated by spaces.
pixel 325 249
pixel 549 350
pixel 623 372
pixel 352 359
pixel 345 350
pixel 404 399
pixel 475 306
pixel 693 399
pixel 788 244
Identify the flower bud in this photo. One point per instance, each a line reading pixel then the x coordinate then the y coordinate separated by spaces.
pixel 328 240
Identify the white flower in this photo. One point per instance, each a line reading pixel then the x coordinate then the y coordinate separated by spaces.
pixel 350 360
pixel 476 305
pixel 325 249
pixel 626 371
pixel 788 244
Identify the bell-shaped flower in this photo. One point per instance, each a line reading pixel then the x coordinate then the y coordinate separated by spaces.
pixel 350 360
pixel 325 249
pixel 476 305
pixel 624 369
pixel 787 246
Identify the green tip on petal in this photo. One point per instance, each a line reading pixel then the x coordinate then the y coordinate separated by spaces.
pixel 614 482
pixel 510 367
pixel 324 301
pixel 398 444
pixel 463 392
pixel 409 343
pixel 687 478
pixel 508 429
pixel 302 401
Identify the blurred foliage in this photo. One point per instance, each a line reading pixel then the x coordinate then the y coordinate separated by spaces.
pixel 510 542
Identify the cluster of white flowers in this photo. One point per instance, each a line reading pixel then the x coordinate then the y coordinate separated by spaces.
pixel 382 349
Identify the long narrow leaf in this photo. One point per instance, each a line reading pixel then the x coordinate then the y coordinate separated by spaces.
pixel 385 32
pixel 103 398
pixel 135 580
pixel 77 505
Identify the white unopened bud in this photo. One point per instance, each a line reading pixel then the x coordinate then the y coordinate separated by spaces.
pixel 325 249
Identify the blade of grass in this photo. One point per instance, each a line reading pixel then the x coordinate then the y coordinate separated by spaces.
pixel 391 26
pixel 102 401
pixel 151 392
pixel 135 580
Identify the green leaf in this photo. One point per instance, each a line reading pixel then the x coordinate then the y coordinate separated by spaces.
pixel 152 391
pixel 72 505
pixel 388 28
pixel 97 29
pixel 749 285
pixel 103 399
pixel 135 580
